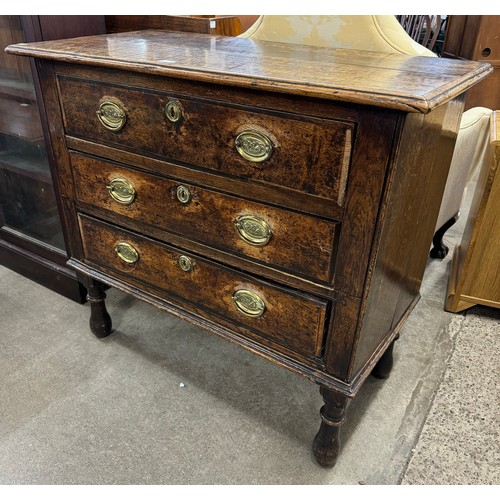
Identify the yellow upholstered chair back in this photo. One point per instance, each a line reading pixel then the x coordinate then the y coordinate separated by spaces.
pixel 378 33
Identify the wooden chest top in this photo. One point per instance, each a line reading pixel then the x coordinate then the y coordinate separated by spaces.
pixel 397 81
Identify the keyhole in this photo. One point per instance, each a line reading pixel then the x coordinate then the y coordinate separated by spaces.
pixel 486 52
pixel 173 111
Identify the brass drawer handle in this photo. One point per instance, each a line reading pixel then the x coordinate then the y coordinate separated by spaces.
pixel 173 111
pixel 249 303
pixel 254 146
pixel 111 115
pixel 127 253
pixel 121 191
pixel 253 230
pixel 183 194
pixel 185 263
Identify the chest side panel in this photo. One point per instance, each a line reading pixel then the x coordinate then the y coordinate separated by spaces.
pixel 405 228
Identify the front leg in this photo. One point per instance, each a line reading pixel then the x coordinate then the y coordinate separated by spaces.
pixel 326 444
pixel 100 320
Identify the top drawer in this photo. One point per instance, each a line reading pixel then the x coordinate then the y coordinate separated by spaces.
pixel 304 154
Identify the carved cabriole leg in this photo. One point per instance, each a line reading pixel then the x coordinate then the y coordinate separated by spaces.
pixel 100 320
pixel 439 250
pixel 384 365
pixel 326 444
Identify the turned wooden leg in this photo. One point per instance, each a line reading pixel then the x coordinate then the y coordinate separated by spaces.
pixel 100 320
pixel 326 444
pixel 384 365
pixel 439 250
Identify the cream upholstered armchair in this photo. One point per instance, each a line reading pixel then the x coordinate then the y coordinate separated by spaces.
pixel 471 152
pixel 385 34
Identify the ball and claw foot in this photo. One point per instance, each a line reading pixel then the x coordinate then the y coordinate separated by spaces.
pixel 100 320
pixel 326 444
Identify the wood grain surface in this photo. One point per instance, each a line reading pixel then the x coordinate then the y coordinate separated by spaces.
pixel 300 243
pixel 475 273
pixel 293 319
pixel 308 154
pixel 410 83
pixel 223 25
pixel 362 143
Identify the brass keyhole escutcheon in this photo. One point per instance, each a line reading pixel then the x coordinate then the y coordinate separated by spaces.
pixel 173 111
pixel 111 115
pixel 253 146
pixel 127 253
pixel 249 303
pixel 183 194
pixel 185 263
pixel 121 191
pixel 253 230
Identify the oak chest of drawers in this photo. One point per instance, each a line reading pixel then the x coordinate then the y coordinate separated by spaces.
pixel 283 197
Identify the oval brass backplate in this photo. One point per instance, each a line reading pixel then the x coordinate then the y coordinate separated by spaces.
pixel 249 303
pixel 173 111
pixel 253 230
pixel 111 115
pixel 121 191
pixel 127 253
pixel 253 146
pixel 185 263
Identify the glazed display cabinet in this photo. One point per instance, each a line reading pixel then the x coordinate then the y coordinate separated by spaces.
pixel 31 235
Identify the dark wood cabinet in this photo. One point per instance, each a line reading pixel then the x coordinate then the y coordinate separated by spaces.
pixel 270 193
pixel 213 25
pixel 31 235
pixel 477 38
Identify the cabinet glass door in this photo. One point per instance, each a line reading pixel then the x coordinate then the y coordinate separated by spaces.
pixel 27 202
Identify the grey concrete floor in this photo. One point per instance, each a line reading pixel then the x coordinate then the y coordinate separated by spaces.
pixel 78 410
pixel 460 441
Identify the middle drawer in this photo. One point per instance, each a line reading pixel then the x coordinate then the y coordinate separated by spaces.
pixel 299 243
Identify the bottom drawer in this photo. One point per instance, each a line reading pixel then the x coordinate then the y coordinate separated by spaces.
pixel 290 318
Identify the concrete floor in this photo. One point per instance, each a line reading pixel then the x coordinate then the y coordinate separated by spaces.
pixel 78 410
